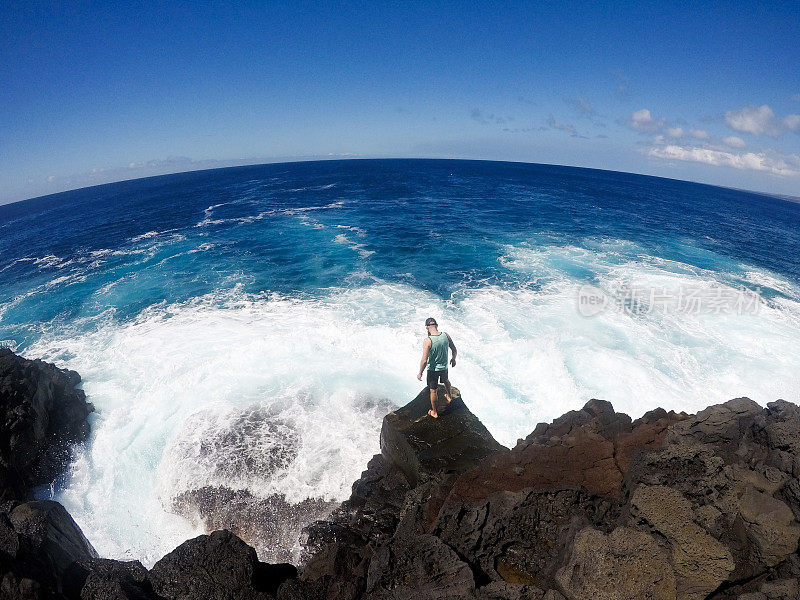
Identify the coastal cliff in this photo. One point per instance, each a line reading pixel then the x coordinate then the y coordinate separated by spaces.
pixel 592 506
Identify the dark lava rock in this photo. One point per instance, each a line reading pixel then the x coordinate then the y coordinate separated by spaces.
pixel 219 566
pixel 721 497
pixel 38 543
pixel 393 502
pixel 589 449
pixel 419 566
pixel 421 446
pixel 105 579
pixel 41 416
pixel 593 506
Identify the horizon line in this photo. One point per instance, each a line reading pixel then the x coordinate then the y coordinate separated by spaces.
pixel 340 158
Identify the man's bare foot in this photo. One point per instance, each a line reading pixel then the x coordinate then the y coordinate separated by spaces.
pixel 433 413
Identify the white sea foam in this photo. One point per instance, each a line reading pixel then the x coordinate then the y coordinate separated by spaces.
pixel 51 261
pixel 764 278
pixel 342 238
pixel 143 236
pixel 301 213
pixel 326 368
pixel 19 260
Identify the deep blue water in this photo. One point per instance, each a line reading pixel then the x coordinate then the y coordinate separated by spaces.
pixel 436 224
pixel 301 290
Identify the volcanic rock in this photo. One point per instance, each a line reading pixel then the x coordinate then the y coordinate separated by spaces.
pixel 219 566
pixel 42 415
pixel 38 543
pixel 421 446
pixel 592 506
pixel 105 579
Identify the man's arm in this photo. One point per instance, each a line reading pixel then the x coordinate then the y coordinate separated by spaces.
pixel 453 349
pixel 426 345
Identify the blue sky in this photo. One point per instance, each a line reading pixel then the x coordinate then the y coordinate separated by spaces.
pixel 93 92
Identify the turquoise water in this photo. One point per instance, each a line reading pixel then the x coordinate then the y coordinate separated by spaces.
pixel 294 295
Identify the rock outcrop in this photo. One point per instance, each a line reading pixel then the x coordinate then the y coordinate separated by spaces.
pixel 42 415
pixel 39 542
pixel 217 566
pixel 592 506
pixel 44 555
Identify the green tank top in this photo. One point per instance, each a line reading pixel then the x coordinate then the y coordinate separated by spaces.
pixel 437 355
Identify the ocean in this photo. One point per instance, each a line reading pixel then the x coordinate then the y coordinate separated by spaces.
pixel 247 328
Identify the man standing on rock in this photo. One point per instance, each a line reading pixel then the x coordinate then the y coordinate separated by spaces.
pixel 434 354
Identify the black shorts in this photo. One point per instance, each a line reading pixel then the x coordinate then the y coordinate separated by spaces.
pixel 434 377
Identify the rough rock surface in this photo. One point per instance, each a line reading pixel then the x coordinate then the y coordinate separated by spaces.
pixel 39 541
pixel 421 446
pixel 217 567
pixel 41 416
pixel 104 579
pixel 592 506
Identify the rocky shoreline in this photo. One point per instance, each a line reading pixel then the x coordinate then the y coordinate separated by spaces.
pixel 591 506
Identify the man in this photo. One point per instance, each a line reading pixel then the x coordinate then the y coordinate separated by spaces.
pixel 434 354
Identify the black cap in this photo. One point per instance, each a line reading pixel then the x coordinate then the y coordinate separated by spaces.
pixel 430 321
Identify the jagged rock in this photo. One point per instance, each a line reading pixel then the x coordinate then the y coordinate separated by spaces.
pixel 420 446
pixel 420 567
pixel 41 416
pixel 700 562
pixel 588 449
pixel 414 447
pixel 737 483
pixel 627 564
pixel 219 566
pixel 501 590
pixel 519 537
pixel 105 579
pixel 14 587
pixel 338 550
pixel 38 542
pixel 591 506
pixel 782 589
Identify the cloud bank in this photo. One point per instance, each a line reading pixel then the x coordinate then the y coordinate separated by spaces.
pixel 761 120
pixel 785 165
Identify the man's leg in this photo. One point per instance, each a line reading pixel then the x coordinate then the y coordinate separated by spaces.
pixel 448 395
pixel 433 380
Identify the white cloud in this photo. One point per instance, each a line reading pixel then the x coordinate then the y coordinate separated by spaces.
pixel 675 132
pixel 699 134
pixel 791 122
pixel 643 121
pixel 734 142
pixel 756 120
pixel 775 164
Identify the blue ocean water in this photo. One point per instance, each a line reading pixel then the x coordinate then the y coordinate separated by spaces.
pixel 292 297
